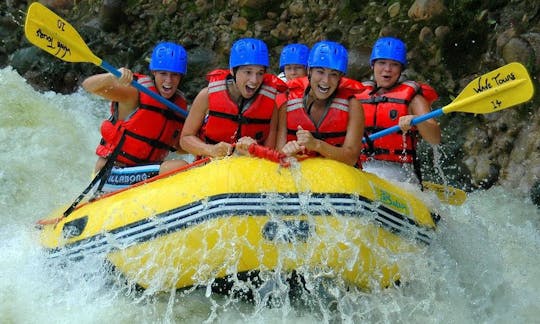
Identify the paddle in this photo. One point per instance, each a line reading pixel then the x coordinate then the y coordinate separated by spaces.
pixel 446 194
pixel 54 35
pixel 499 89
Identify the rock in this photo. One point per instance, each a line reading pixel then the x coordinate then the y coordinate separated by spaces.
pixel 426 35
pixel 70 81
pixel 477 137
pixel 284 15
pixel 272 15
pixel 296 9
pixel 393 9
pixel 284 32
pixel 486 173
pixel 469 162
pixel 389 31
pixel 239 24
pixel 58 4
pixel 170 6
pixel 535 193
pixel 534 41
pixel 356 34
pixel 199 59
pixel 441 32
pixel 111 15
pixel 505 37
pixel 359 68
pixel 264 26
pixel 523 168
pixel 517 50
pixel 26 58
pixel 202 5
pixel 422 10
pixel 253 4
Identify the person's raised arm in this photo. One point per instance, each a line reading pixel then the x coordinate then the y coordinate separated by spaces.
pixel 114 89
pixel 110 87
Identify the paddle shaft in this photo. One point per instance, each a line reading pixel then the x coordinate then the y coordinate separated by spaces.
pixel 417 120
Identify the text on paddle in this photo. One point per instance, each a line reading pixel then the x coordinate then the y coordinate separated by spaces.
pixel 486 83
pixel 60 48
pixel 491 82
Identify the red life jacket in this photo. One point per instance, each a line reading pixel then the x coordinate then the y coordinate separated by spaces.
pixel 226 122
pixel 281 98
pixel 333 127
pixel 149 133
pixel 383 111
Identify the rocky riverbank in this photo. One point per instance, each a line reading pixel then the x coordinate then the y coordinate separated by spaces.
pixel 450 43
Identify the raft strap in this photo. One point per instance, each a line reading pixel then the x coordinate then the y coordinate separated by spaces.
pixel 100 176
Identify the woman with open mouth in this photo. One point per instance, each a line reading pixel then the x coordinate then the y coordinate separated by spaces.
pixel 238 108
pixel 322 117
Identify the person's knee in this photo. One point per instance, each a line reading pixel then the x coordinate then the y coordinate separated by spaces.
pixel 99 164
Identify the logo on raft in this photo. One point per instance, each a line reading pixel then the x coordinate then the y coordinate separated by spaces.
pixel 129 179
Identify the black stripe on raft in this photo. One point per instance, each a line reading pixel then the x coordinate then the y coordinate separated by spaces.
pixel 248 204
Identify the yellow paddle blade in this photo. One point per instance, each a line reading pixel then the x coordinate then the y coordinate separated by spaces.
pixel 499 89
pixel 48 31
pixel 446 194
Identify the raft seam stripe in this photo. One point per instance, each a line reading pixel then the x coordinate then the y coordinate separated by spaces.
pixel 224 205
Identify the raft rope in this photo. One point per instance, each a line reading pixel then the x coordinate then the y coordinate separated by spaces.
pixel 269 154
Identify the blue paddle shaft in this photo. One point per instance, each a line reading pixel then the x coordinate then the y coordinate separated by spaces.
pixel 144 89
pixel 414 121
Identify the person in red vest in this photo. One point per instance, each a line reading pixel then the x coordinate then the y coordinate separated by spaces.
pixel 292 64
pixel 293 61
pixel 141 130
pixel 388 101
pixel 237 108
pixel 322 117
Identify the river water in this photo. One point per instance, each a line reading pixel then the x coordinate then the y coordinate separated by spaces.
pixel 482 267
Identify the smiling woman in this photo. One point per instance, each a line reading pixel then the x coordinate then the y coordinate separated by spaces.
pixel 321 115
pixel 140 130
pixel 238 107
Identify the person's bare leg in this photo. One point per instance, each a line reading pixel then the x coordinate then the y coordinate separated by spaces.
pixel 100 163
pixel 170 165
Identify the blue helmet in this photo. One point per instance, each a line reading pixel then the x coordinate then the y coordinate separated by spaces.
pixel 327 54
pixel 294 54
pixel 169 57
pixel 389 48
pixel 249 51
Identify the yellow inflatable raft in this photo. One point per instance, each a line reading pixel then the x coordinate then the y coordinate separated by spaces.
pixel 249 215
